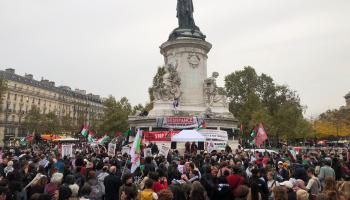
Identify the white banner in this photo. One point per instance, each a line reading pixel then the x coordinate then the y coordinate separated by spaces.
pixel 111 149
pixel 214 135
pixel 164 151
pixel 147 152
pixel 67 150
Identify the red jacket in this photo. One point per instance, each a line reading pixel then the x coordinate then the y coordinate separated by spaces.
pixel 234 181
pixel 157 186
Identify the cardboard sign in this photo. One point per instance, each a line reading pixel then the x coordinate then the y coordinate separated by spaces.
pixel 111 149
pixel 147 152
pixel 164 151
pixel 95 148
pixel 126 150
pixel 67 150
pixel 210 147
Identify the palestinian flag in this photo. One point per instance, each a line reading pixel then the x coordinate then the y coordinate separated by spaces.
pixel 102 140
pixel 202 126
pixel 85 130
pixel 91 138
pixel 253 135
pixel 23 142
pixel 128 133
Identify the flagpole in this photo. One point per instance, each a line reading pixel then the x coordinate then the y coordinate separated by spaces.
pixel 126 162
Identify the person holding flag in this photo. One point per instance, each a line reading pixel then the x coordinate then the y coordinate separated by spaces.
pixel 135 151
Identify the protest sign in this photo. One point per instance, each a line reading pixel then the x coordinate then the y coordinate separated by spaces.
pixel 147 152
pixel 164 151
pixel 111 149
pixel 126 150
pixel 67 150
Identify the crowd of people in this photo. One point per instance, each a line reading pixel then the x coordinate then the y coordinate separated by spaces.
pixel 43 174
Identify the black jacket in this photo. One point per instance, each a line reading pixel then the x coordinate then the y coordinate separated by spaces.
pixel 112 184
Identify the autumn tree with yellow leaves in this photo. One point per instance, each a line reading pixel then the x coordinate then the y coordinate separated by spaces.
pixel 334 123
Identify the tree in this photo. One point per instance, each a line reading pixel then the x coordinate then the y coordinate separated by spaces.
pixel 333 123
pixel 50 123
pixel 33 120
pixel 257 98
pixel 115 118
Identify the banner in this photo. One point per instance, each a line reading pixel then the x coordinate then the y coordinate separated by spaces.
pixel 111 149
pixel 216 145
pixel 212 134
pixel 67 150
pixel 147 152
pixel 159 136
pixel 164 151
pixel 179 122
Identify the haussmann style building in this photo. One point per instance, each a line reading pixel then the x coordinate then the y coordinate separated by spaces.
pixel 24 92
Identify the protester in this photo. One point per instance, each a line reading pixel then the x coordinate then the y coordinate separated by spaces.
pixel 41 173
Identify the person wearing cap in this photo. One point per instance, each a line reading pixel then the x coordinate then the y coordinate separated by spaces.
pixel 289 186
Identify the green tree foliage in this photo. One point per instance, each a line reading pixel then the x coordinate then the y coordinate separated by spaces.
pixel 257 98
pixel 33 120
pixel 116 114
pixel 48 123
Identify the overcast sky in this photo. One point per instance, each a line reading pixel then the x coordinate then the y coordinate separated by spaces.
pixel 112 46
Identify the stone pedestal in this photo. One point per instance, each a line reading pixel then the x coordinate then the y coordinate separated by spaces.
pixel 189 55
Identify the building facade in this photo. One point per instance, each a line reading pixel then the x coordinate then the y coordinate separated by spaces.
pixel 24 92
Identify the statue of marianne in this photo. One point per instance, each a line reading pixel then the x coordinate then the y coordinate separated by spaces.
pixel 185 14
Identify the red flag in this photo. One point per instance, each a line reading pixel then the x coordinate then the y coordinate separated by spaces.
pixel 261 136
pixel 204 125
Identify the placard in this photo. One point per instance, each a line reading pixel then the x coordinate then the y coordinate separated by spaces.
pixel 164 151
pixel 147 152
pixel 111 149
pixel 95 148
pixel 126 150
pixel 67 150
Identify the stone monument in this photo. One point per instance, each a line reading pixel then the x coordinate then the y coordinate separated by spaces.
pixel 185 90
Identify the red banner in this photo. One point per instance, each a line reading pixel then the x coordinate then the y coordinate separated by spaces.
pixel 180 120
pixel 159 136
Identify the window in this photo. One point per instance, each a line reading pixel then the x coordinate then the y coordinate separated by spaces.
pixel 15 97
pixel 13 118
pixel 14 107
pixel 21 98
pixel 39 101
pixel 8 96
pixel 33 100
